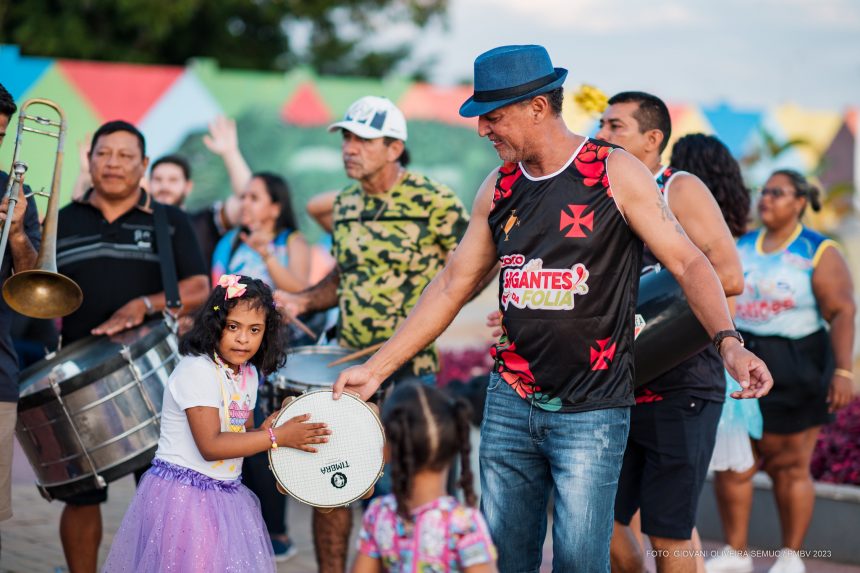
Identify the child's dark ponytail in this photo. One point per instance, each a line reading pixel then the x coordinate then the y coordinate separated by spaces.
pixel 402 461
pixel 426 429
pixel 463 419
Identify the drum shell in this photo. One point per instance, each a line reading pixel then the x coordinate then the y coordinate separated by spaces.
pixel 306 369
pixel 107 406
pixel 671 333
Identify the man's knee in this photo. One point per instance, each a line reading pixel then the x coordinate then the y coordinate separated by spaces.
pixel 626 555
pixel 668 544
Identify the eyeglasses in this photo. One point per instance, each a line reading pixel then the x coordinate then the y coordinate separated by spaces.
pixel 775 192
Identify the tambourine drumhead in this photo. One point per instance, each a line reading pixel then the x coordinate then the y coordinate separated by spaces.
pixel 307 368
pixel 343 469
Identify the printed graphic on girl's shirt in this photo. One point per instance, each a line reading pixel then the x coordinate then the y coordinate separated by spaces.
pixel 444 536
pixel 238 412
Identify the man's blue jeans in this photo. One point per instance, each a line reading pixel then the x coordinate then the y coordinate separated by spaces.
pixel 526 453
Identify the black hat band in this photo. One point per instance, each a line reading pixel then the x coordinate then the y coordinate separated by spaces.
pixel 486 96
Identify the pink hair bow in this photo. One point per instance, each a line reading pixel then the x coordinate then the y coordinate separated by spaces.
pixel 232 285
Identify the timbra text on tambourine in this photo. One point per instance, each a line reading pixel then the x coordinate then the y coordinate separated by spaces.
pixel 334 467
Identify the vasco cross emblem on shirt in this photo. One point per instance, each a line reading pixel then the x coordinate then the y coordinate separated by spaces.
pixel 576 221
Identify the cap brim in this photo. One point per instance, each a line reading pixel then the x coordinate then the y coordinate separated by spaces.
pixel 360 129
pixel 472 108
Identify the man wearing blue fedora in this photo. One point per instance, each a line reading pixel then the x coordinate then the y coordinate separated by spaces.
pixel 565 216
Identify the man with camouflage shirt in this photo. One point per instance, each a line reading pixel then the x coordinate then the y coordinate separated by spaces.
pixel 393 231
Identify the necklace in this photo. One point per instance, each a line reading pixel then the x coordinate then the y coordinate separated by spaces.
pixel 379 211
pixel 400 173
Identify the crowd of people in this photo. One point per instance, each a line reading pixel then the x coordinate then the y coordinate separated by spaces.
pixel 566 225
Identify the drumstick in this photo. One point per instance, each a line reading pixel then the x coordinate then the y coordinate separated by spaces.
pixel 354 355
pixel 303 327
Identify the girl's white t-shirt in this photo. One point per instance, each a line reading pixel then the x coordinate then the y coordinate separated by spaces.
pixel 198 381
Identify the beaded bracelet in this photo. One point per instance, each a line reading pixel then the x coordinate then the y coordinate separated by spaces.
pixel 272 437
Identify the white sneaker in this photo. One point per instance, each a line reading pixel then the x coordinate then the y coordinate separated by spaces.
pixel 788 562
pixel 730 560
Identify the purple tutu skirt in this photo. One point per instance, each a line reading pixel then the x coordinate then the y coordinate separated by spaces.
pixel 181 520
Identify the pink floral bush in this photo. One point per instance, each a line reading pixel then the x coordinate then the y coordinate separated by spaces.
pixel 464 364
pixel 836 458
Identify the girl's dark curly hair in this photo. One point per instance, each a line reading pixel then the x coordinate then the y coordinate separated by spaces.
pixel 802 188
pixel 210 319
pixel 710 160
pixel 426 429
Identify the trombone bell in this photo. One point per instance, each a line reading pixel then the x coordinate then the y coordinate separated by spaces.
pixel 42 294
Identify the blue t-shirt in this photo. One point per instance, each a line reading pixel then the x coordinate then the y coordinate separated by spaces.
pixel 778 299
pixel 8 358
pixel 238 258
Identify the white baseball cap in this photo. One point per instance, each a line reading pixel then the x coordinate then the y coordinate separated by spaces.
pixel 371 117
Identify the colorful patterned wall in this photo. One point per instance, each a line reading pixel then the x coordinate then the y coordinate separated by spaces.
pixel 282 119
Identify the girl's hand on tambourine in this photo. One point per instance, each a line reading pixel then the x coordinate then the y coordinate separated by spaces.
pixel 300 434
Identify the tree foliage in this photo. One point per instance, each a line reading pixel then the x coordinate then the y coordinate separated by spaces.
pixel 345 37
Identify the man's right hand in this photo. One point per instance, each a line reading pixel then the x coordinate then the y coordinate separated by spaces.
pixel 290 304
pixel 128 316
pixel 18 216
pixel 358 379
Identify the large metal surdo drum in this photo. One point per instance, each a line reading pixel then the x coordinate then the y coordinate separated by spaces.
pixel 668 332
pixel 90 413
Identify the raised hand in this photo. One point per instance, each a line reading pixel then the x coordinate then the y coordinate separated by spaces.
pixel 222 138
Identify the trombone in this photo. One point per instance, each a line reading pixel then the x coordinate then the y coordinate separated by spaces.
pixel 41 292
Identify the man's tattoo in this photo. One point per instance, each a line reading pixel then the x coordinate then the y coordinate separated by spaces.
pixel 668 216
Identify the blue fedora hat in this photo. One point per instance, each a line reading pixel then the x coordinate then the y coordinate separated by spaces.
pixel 508 74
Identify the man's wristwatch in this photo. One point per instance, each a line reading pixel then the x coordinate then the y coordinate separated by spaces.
pixel 723 334
pixel 148 304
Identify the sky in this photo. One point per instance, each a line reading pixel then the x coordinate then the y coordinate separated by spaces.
pixel 747 53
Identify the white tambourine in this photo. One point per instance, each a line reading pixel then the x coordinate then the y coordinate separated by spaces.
pixel 346 467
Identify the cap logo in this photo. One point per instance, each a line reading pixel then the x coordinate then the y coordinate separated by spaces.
pixel 368 116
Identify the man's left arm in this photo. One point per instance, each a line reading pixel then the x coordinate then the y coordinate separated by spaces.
pixel 190 270
pixel 694 206
pixel 651 219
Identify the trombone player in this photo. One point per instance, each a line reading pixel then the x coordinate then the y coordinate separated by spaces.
pixel 20 255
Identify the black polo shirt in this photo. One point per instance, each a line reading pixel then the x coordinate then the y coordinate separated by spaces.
pixel 8 358
pixel 209 230
pixel 116 262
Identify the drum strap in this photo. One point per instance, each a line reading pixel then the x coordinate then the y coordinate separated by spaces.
pixel 165 252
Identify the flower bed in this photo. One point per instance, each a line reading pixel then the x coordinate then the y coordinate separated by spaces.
pixel 464 364
pixel 837 454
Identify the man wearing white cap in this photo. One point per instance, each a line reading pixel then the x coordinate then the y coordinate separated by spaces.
pixel 393 231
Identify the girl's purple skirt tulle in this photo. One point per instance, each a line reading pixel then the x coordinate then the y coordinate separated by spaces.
pixel 181 520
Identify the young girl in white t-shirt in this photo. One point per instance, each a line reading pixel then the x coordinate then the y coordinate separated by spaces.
pixel 191 511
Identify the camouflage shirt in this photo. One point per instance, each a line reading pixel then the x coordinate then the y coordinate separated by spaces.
pixel 388 248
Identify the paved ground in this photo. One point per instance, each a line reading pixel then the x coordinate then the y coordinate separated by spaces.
pixel 30 541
